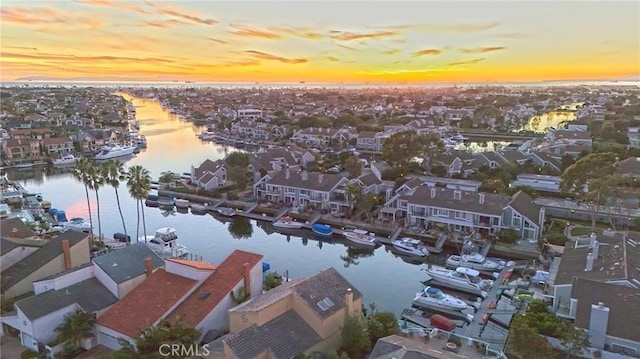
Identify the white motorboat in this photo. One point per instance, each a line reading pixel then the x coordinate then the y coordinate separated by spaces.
pixel 207 136
pixel 226 211
pixel 462 279
pixel 199 208
pixel 474 261
pixel 410 246
pixel 182 203
pixel 114 151
pixel 65 160
pixel 164 242
pixel 434 298
pixel 287 222
pixel 359 236
pixel 78 224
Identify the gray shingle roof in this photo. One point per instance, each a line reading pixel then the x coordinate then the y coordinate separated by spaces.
pixel 128 262
pixel 469 201
pixel 89 294
pixel 285 336
pixel 15 228
pixel 39 258
pixel 323 182
pixel 326 284
pixel 525 205
pixel 622 301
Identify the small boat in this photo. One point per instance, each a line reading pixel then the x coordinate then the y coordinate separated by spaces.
pixel 114 151
pixel 474 261
pixel 65 160
pixel 207 136
pixel 164 242
pixel 182 203
pixel 434 298
pixel 166 202
pixel 462 279
pixel 362 237
pixel 287 222
pixel 58 215
pixel 322 229
pixel 199 208
pixel 78 224
pixel 226 211
pixel 411 246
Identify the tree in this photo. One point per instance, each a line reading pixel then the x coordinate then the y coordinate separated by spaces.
pixel 151 339
pixel 401 147
pixel 241 297
pixel 438 170
pixel 166 178
pixel 75 327
pixel 355 339
pixel 95 182
pixel 272 280
pixel 574 341
pixel 353 166
pixel 113 172
pixel 366 203
pixel 237 168
pixel 352 191
pixel 526 342
pixel 81 174
pixel 139 185
pixel 592 166
pixel 238 159
pixel 380 324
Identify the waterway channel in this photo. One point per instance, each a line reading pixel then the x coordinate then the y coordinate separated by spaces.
pixel 383 278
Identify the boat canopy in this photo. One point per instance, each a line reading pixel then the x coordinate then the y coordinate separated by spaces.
pixel 468 271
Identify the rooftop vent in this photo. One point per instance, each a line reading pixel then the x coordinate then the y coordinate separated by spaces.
pixel 204 295
pixel 325 304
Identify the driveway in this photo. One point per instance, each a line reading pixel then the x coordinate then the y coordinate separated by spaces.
pixel 11 348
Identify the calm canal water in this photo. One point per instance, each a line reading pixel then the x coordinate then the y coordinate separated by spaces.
pixel 383 278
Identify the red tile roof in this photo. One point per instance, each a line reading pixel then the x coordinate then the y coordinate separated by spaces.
pixel 146 303
pixel 219 284
pixel 193 264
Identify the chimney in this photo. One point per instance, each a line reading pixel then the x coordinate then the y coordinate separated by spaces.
pixel 457 194
pixel 66 253
pixel 348 301
pixel 481 195
pixel 592 239
pixel 320 177
pixel 598 325
pixel 304 175
pixel 148 266
pixel 595 249
pixel 247 279
pixel 541 216
pixel 286 173
pixel 433 192
pixel 14 232
pixel 589 267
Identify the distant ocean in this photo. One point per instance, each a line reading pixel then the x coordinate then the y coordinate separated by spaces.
pixel 302 85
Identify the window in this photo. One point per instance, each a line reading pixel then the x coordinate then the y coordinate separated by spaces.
pixel 325 304
pixel 443 213
pixel 517 220
pixel 461 215
pixel 304 192
pixel 457 195
pixel 290 190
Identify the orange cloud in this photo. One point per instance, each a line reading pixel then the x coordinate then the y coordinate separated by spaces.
pixel 265 56
pixel 165 23
pixel 47 17
pixel 482 50
pixel 332 59
pixel 115 4
pixel 391 51
pixel 297 31
pixel 164 9
pixel 344 46
pixel 59 57
pixel 469 62
pixel 222 42
pixel 427 52
pixel 349 36
pixel 245 31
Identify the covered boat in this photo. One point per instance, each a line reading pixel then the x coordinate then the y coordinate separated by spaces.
pixel 322 229
pixel 287 222
pixel 441 322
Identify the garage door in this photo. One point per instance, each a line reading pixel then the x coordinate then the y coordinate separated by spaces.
pixel 108 341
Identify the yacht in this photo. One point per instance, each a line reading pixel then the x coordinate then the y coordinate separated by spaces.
pixel 434 298
pixel 207 136
pixel 78 224
pixel 65 160
pixel 411 246
pixel 462 279
pixel 474 261
pixel 226 211
pixel 287 222
pixel 114 151
pixel 164 242
pixel 359 236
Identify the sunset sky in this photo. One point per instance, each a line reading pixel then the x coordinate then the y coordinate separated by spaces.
pixel 321 41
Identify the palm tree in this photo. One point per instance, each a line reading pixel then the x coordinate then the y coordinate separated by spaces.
pixel 81 174
pixel 95 182
pixel 166 178
pixel 352 191
pixel 139 185
pixel 75 327
pixel 113 172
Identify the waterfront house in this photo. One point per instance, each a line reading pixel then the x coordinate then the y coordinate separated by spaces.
pixel 538 182
pixel 302 189
pixel 21 149
pixel 58 146
pixel 93 140
pixel 593 284
pixel 271 159
pixel 451 163
pixel 323 137
pixel 301 316
pixel 200 296
pixel 32 133
pixel 209 175
pixel 61 253
pixel 464 211
pixel 490 159
pixel 37 316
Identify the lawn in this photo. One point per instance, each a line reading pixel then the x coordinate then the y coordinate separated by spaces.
pixel 584 231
